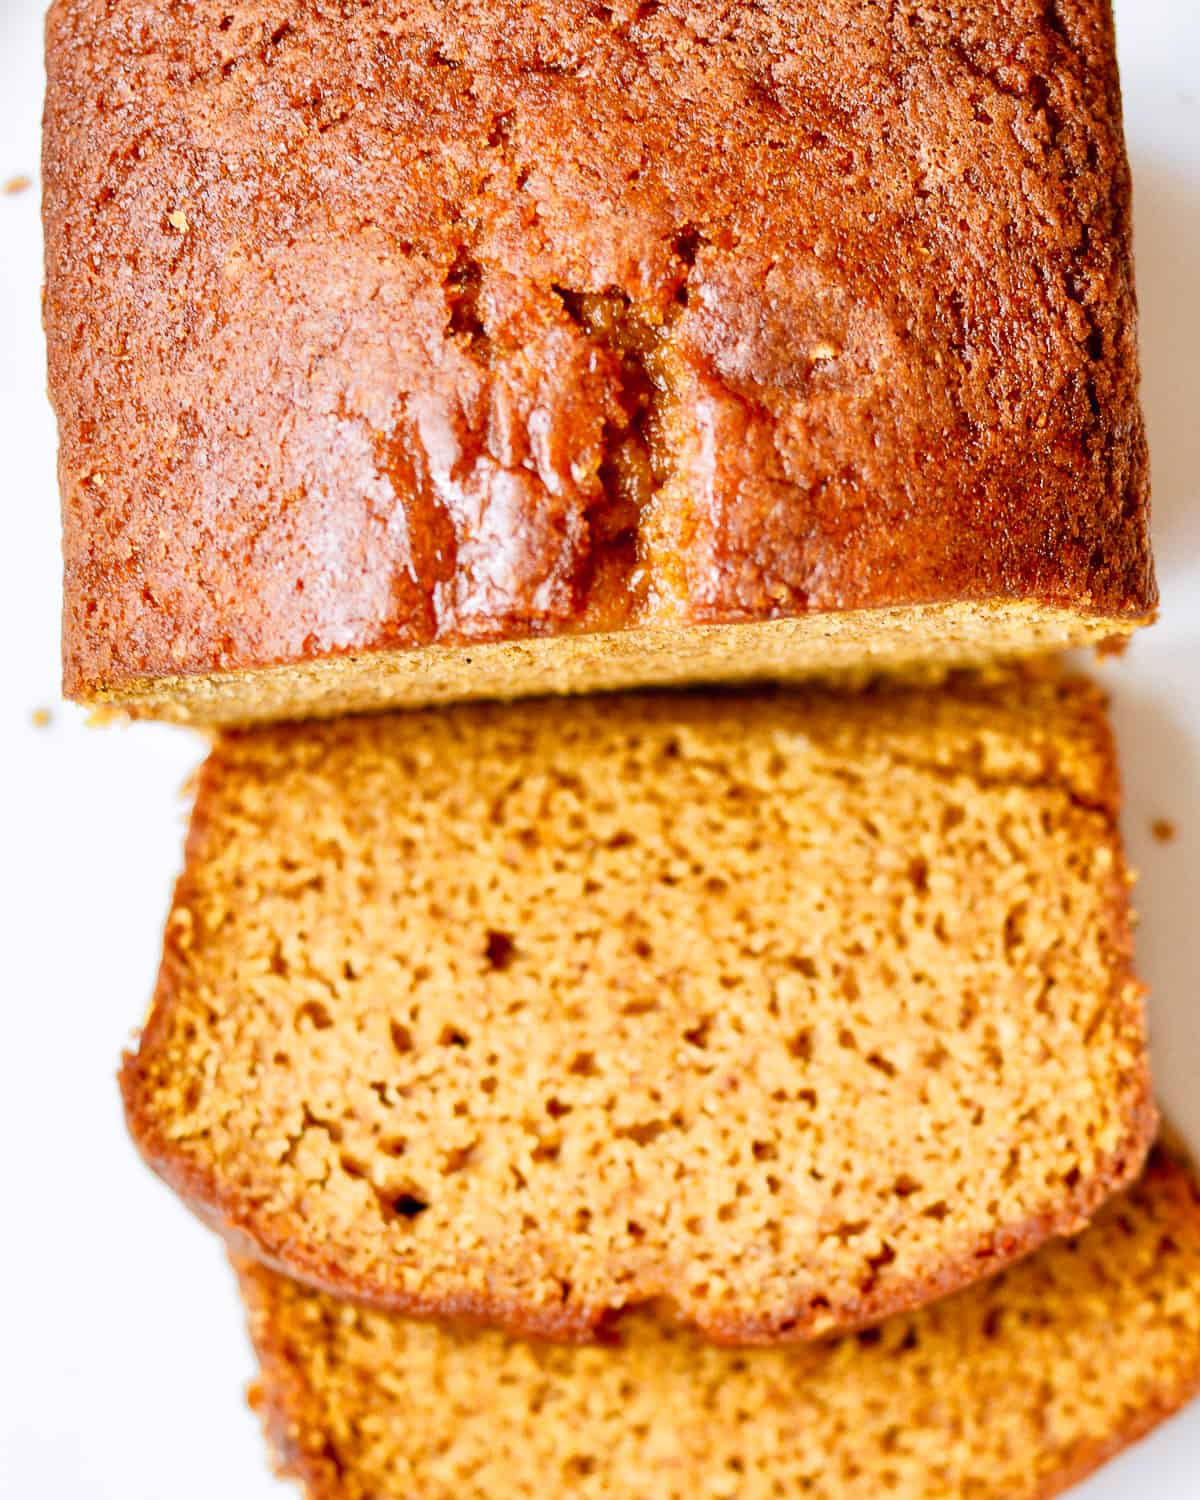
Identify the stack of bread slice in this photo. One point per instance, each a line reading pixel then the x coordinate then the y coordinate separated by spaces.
pixel 732 1086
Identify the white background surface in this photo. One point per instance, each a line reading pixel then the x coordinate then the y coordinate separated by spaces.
pixel 122 1355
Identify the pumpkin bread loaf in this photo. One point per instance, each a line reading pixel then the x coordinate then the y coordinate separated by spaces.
pixel 1011 1390
pixel 407 352
pixel 784 1010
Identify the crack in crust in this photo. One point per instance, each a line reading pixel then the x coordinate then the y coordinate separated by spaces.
pixel 854 323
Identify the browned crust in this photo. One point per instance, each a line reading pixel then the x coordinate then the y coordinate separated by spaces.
pixel 1172 1163
pixel 921 390
pixel 1095 1455
pixel 271 1240
pixel 278 1398
pixel 283 1394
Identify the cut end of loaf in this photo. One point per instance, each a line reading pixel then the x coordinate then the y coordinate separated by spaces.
pixel 754 1005
pixel 848 649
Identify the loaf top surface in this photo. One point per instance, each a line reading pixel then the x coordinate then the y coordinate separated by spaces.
pixel 1012 1390
pixel 782 1011
pixel 381 325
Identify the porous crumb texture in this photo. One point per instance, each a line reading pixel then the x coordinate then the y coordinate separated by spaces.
pixel 378 327
pixel 783 1010
pixel 1009 1391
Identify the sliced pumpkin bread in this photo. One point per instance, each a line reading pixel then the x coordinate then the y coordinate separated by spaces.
pixel 788 1010
pixel 1012 1390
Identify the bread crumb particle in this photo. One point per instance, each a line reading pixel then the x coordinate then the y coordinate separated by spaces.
pixel 178 220
pixel 1163 830
pixel 41 718
pixel 1111 647
pixel 15 185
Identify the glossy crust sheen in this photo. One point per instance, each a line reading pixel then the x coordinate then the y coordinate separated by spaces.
pixel 297 1388
pixel 234 1210
pixel 372 326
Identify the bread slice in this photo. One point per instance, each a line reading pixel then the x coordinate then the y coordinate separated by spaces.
pixel 405 352
pixel 1012 1390
pixel 787 1009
